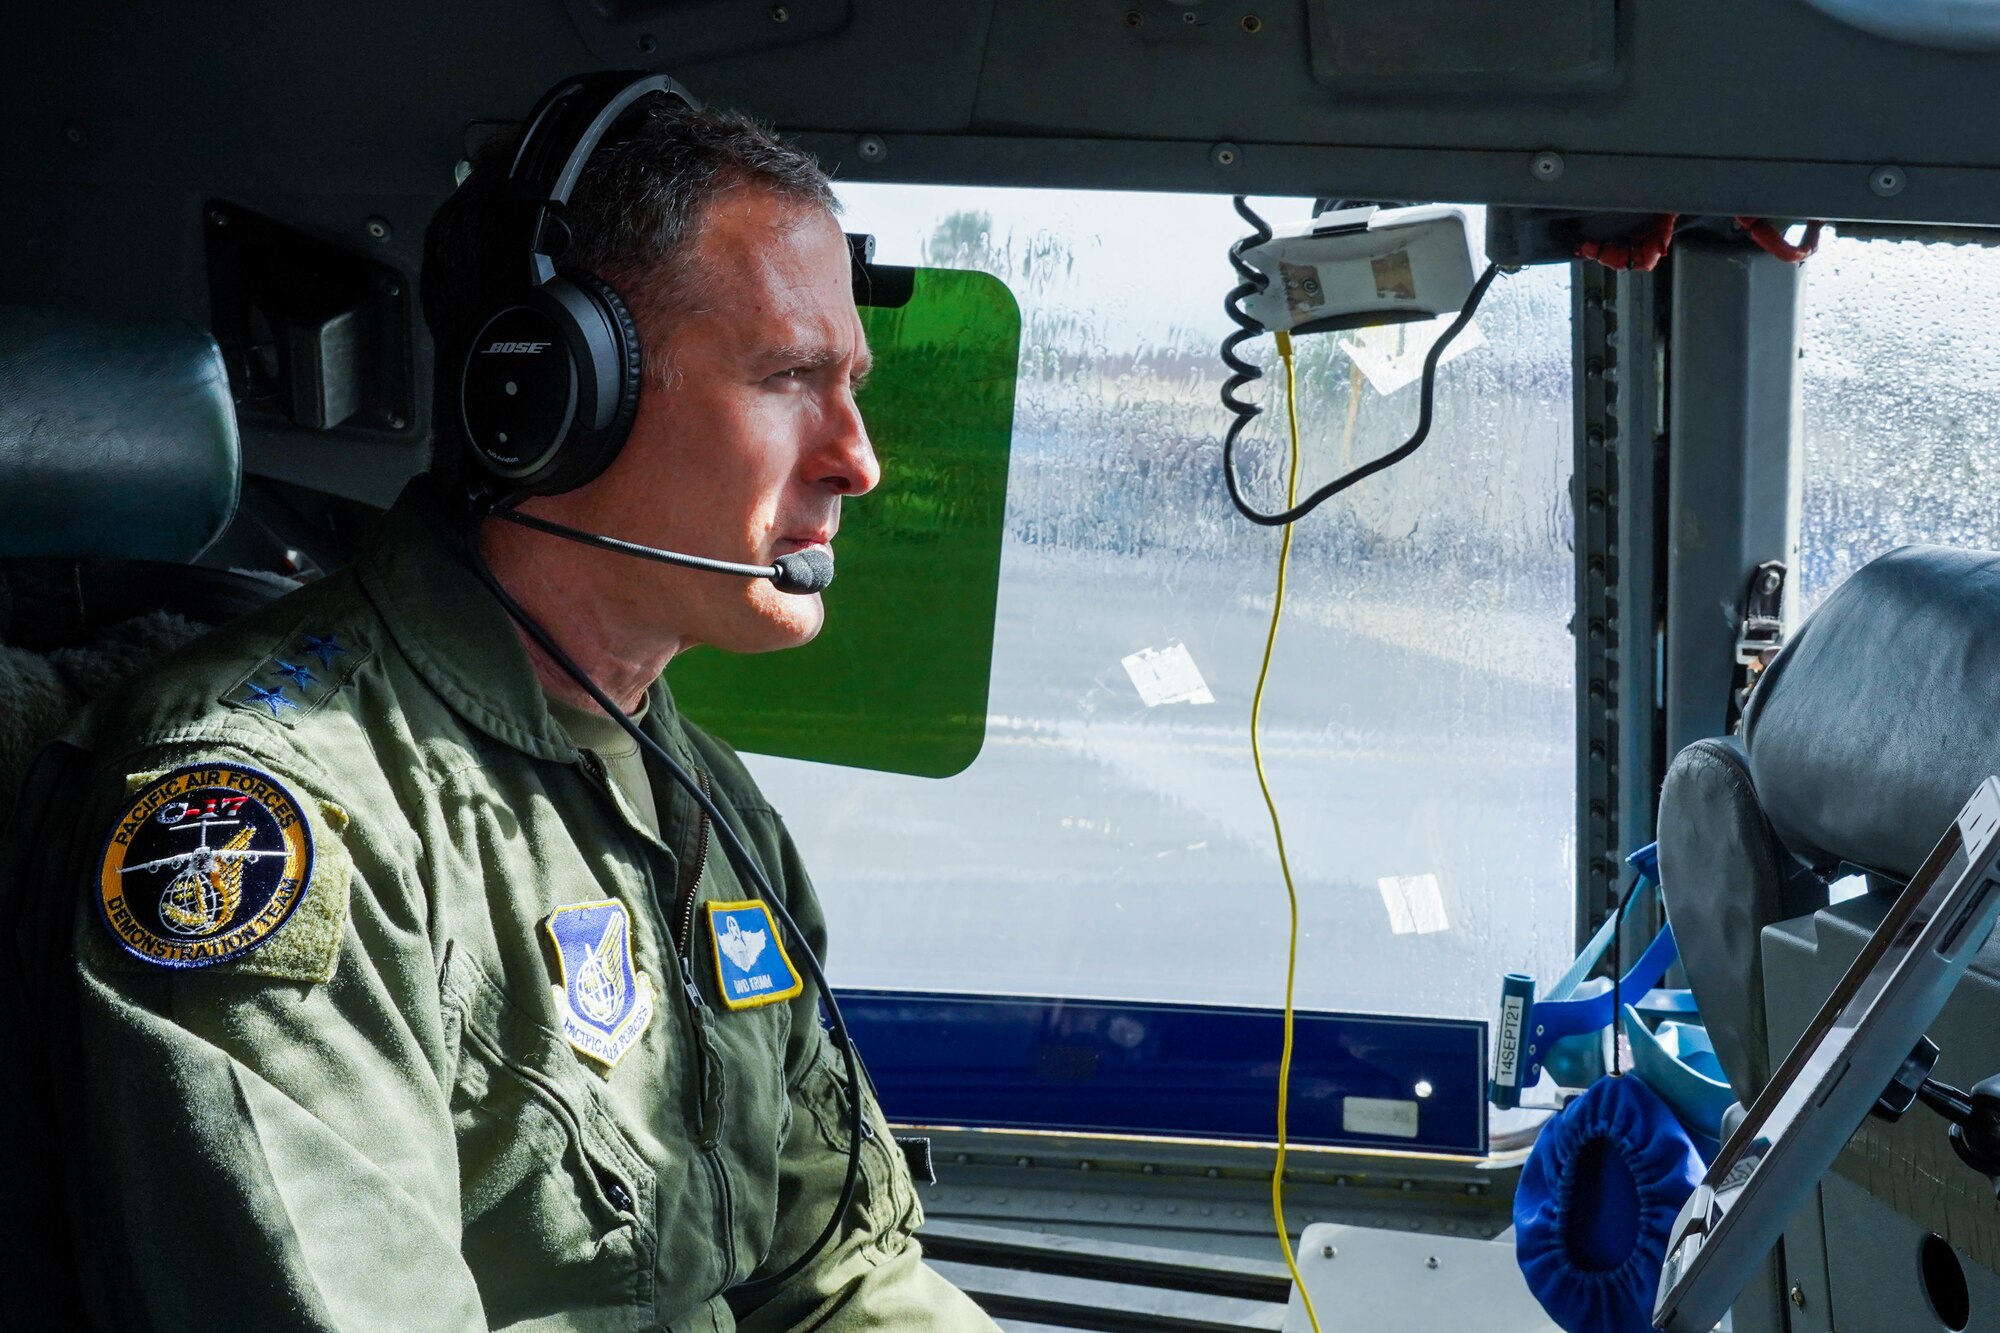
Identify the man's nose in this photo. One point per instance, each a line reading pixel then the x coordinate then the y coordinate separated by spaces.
pixel 845 462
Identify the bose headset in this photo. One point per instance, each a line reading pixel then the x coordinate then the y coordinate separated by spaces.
pixel 547 391
pixel 548 386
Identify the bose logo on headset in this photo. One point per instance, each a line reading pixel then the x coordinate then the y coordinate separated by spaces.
pixel 551 424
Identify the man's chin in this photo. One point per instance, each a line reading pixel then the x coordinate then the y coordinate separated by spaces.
pixel 773 628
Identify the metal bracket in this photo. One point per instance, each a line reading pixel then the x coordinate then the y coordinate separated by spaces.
pixel 1618 493
pixel 1763 628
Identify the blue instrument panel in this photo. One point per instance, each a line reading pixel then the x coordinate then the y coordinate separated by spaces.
pixel 1172 1070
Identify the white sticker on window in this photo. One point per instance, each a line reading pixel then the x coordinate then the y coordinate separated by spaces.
pixel 1387 1116
pixel 1167 676
pixel 1415 903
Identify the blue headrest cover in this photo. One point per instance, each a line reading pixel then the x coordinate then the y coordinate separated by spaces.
pixel 117 440
pixel 1596 1204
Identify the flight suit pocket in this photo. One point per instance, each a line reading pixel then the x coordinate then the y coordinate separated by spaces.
pixel 557 1208
pixel 887 1195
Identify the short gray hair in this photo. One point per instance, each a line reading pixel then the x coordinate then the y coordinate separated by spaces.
pixel 638 206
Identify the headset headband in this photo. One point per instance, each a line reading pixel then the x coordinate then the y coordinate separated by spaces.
pixel 564 129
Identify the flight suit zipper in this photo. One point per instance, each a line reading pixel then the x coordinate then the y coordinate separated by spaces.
pixel 689 901
pixel 707 1072
pixel 691 890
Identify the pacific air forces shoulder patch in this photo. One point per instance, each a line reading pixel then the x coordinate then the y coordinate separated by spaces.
pixel 204 864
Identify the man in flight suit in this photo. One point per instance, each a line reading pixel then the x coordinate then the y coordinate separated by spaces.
pixel 401 975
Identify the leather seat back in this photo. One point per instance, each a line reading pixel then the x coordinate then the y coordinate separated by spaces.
pixel 117 439
pixel 1860 743
pixel 119 463
pixel 1873 726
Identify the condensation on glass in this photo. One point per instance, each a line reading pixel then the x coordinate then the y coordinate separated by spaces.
pixel 1419 728
pixel 1901 423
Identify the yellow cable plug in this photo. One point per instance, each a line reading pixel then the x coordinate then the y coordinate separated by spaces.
pixel 1277 829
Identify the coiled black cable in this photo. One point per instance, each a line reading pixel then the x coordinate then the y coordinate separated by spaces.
pixel 1242 373
pixel 746 865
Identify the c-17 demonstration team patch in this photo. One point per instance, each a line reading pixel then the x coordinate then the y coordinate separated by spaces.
pixel 203 865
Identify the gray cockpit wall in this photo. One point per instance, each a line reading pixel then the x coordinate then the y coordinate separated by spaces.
pixel 121 127
pixel 149 153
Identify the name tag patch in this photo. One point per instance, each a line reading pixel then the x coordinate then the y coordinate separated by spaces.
pixel 604 1001
pixel 750 961
pixel 203 865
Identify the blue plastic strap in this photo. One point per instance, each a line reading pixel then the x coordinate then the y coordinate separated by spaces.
pixel 1556 1019
pixel 1587 960
pixel 1528 1027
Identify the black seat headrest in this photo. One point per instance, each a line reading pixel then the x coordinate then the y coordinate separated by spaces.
pixel 1878 720
pixel 117 439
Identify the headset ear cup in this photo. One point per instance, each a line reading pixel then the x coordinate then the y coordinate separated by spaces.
pixel 630 374
pixel 601 343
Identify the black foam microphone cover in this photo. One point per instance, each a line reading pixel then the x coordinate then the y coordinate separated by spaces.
pixel 810 570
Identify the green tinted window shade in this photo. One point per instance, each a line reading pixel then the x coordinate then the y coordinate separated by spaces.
pixel 897 679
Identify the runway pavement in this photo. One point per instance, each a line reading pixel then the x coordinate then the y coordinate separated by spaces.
pixel 1101 847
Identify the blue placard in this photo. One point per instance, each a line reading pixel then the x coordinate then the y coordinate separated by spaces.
pixel 1172 1070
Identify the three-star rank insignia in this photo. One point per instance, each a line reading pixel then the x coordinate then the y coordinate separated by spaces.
pixel 750 960
pixel 203 865
pixel 604 1002
pixel 302 673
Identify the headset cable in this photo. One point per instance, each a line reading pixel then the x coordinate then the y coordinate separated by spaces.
pixel 746 864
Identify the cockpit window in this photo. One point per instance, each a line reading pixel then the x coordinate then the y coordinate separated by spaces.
pixel 1900 373
pixel 1419 728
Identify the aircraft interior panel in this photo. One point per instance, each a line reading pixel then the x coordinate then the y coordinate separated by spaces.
pixel 1631 701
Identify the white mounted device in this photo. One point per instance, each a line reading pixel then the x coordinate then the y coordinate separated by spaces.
pixel 1362 266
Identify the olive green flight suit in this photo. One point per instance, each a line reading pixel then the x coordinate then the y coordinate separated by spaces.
pixel 371 1120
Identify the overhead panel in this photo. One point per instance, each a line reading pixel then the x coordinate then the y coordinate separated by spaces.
pixel 1447 48
pixel 668 33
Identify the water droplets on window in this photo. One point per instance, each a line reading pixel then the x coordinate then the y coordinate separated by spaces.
pixel 1419 728
pixel 1897 363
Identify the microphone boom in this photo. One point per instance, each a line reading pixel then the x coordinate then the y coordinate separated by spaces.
pixel 807 571
pixel 800 573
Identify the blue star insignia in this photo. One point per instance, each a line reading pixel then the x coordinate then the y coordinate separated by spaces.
pixel 273 699
pixel 323 644
pixel 300 676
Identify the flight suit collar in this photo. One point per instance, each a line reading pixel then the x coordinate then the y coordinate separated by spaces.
pixel 457 636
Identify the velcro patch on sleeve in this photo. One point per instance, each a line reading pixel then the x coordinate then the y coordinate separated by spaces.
pixel 217 863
